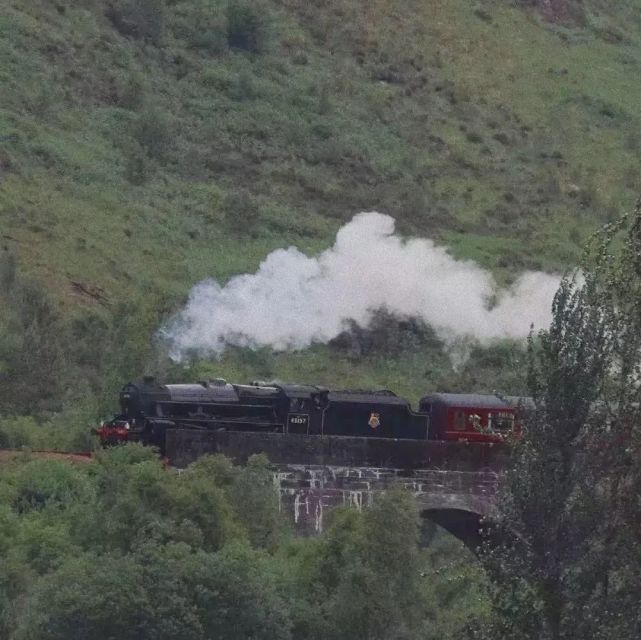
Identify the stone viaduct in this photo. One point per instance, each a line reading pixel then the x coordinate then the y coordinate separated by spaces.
pixel 454 483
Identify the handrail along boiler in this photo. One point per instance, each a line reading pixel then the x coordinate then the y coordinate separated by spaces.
pixel 148 409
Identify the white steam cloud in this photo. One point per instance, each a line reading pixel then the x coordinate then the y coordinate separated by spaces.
pixel 294 300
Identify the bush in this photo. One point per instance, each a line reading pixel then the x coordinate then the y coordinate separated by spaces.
pixel 143 19
pixel 7 272
pixel 19 432
pixel 42 484
pixel 130 91
pixel 137 163
pixel 151 131
pixel 214 40
pixel 386 335
pixel 241 212
pixel 245 29
pixel 243 88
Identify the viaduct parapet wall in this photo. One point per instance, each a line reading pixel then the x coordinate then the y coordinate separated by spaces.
pixel 186 445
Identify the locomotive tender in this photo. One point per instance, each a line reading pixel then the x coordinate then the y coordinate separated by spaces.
pixel 148 409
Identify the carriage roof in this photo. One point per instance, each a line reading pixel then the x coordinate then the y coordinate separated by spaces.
pixel 467 400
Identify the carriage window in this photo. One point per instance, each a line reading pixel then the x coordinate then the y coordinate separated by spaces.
pixel 474 422
pixel 459 420
pixel 503 421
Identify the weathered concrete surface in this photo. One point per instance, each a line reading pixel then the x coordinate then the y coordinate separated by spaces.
pixel 456 500
pixel 453 483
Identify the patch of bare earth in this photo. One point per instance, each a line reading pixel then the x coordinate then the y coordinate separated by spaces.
pixel 8 455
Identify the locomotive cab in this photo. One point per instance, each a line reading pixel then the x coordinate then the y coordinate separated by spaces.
pixel 373 414
pixel 304 406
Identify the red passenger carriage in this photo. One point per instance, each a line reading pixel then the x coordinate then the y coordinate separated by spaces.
pixel 470 417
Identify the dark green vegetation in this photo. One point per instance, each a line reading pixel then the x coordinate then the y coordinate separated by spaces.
pixel 121 548
pixel 146 145
pixel 573 493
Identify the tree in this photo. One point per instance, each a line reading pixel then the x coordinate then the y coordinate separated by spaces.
pixel 571 564
pixel 167 591
pixel 138 500
pixel 256 502
pixel 378 594
pixel 363 578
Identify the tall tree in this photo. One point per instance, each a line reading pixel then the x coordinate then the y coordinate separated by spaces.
pixel 570 566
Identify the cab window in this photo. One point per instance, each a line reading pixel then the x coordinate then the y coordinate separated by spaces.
pixel 459 420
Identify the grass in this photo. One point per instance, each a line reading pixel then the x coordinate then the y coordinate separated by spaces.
pixel 484 127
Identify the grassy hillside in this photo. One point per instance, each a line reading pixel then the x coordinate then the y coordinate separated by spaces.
pixel 147 144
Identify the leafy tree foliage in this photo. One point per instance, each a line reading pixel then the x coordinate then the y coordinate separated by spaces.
pixel 124 548
pixel 571 567
pixel 363 578
pixel 167 591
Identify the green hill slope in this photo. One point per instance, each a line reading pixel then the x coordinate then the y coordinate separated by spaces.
pixel 146 145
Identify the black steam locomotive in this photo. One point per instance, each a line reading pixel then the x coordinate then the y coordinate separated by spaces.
pixel 148 409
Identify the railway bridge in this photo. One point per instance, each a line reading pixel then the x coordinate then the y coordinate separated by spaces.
pixel 454 483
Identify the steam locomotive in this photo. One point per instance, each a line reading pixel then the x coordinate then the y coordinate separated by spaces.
pixel 148 409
